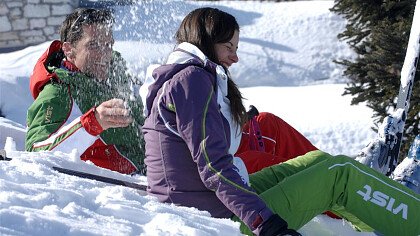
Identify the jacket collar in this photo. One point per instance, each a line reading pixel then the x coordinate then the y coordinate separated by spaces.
pixel 187 53
pixel 42 73
pixel 69 66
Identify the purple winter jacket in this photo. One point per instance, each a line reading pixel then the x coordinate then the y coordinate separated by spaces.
pixel 187 141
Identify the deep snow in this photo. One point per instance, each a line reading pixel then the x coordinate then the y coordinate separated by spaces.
pixel 286 52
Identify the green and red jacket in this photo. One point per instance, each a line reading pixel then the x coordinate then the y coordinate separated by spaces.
pixel 62 116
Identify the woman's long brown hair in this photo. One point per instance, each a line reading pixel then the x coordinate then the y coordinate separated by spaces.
pixel 205 27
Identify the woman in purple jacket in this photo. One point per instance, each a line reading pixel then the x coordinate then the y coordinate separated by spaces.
pixel 194 115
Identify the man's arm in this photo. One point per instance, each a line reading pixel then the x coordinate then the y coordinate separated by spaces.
pixel 56 123
pixel 53 120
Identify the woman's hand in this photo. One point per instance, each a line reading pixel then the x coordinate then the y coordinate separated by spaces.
pixel 276 226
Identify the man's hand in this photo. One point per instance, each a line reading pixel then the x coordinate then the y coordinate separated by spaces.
pixel 113 114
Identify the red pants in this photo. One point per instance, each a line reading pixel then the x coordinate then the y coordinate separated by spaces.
pixel 281 143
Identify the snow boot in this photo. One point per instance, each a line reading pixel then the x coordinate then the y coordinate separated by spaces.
pixel 408 171
pixel 377 153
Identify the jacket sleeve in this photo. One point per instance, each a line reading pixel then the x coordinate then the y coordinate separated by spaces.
pixel 55 123
pixel 200 125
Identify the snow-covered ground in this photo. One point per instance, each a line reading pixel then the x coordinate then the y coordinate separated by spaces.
pixel 286 52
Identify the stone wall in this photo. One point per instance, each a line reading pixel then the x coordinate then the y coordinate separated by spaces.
pixel 29 22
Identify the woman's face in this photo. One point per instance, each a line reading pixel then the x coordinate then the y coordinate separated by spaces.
pixel 226 52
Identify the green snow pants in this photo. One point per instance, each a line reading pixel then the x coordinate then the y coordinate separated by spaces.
pixel 306 186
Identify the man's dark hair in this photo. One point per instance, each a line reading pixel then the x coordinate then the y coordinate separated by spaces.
pixel 72 31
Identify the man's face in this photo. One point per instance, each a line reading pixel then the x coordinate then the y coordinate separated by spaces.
pixel 93 52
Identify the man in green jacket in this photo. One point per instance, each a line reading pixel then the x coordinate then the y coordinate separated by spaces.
pixel 83 99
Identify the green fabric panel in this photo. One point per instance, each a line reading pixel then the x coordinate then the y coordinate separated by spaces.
pixel 357 224
pixel 47 114
pixel 311 184
pixel 269 177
